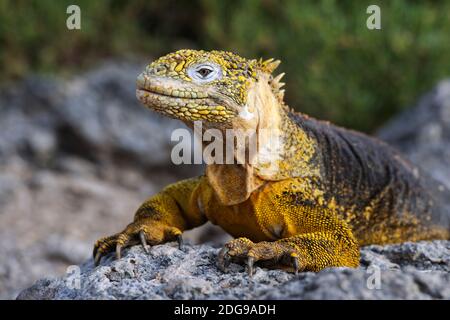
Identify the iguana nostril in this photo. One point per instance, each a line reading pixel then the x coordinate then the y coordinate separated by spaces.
pixel 161 68
pixel 156 70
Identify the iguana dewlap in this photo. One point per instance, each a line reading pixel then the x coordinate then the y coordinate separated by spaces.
pixel 307 202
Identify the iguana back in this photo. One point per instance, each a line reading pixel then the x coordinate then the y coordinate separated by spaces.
pixel 375 185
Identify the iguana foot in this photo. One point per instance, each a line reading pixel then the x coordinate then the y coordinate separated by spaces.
pixel 270 253
pixel 142 231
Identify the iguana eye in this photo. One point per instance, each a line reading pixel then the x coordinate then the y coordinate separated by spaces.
pixel 204 72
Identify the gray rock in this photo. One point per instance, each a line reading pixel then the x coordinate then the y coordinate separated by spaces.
pixel 95 116
pixel 422 132
pixel 407 271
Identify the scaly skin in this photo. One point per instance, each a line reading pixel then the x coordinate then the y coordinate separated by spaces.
pixel 308 204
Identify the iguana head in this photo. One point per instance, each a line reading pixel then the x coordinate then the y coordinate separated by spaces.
pixel 211 86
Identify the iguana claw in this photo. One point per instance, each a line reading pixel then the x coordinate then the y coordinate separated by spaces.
pixel 118 251
pixel 180 242
pixel 223 260
pixel 295 264
pixel 97 258
pixel 143 241
pixel 250 262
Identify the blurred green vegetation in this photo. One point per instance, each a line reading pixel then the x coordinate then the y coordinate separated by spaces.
pixel 336 68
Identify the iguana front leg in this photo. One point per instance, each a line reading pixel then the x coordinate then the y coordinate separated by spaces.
pixel 161 218
pixel 311 236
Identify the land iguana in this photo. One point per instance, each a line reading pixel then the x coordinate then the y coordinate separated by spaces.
pixel 333 189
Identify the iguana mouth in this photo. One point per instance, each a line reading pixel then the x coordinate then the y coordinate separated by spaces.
pixel 172 93
pixel 166 98
pixel 168 88
pixel 184 101
pixel 190 108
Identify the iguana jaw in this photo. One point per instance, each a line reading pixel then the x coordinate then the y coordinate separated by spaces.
pixel 184 101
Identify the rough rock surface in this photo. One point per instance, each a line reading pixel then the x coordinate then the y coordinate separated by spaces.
pixel 408 271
